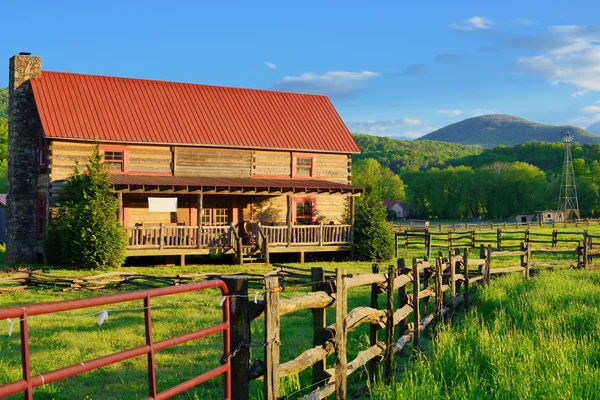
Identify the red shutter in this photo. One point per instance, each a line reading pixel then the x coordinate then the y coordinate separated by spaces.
pixel 40 213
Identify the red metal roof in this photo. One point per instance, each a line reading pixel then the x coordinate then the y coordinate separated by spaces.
pixel 91 107
pixel 227 185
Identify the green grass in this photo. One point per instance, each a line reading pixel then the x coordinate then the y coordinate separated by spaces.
pixel 537 339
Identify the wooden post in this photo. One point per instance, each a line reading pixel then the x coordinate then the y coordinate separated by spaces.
pixel 266 250
pixel 482 256
pixel 319 322
pixel 473 239
pixel 396 243
pixel 240 334
pixel 585 252
pixel 428 244
pixel 554 238
pixel 449 239
pixel 580 254
pixel 426 278
pixel 372 327
pixel 415 303
pixel 452 264
pixel 499 239
pixel 271 382
pixel 341 309
pixel 240 249
pixel 466 274
pixel 321 234
pixel 162 235
pixel 528 260
pixel 120 215
pixel 488 264
pixel 352 220
pixel 199 221
pixel 389 327
pixel 439 294
pixel 402 297
pixel 288 220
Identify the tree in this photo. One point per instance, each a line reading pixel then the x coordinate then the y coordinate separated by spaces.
pixel 85 232
pixel 372 235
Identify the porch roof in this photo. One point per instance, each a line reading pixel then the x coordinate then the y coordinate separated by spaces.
pixel 183 184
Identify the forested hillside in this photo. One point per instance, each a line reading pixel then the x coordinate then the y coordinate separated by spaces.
pixel 410 155
pixel 498 129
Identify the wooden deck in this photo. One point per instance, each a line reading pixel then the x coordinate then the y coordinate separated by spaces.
pixel 174 240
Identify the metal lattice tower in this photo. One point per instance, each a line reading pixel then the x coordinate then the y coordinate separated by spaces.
pixel 567 200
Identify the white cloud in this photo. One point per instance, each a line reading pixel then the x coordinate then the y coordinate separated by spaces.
pixel 337 84
pixel 271 65
pixel 473 24
pixel 571 54
pixel 450 112
pixel 593 116
pixel 394 127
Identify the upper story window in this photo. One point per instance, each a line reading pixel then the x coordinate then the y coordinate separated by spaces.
pixel 115 158
pixel 303 165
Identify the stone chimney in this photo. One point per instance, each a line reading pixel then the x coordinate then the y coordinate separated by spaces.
pixel 24 126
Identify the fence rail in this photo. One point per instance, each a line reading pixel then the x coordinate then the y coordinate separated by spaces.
pixel 29 382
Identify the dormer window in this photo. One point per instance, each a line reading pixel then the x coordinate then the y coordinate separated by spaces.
pixel 115 158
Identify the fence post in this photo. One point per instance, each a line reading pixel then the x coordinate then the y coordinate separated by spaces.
pixel 526 239
pixel 396 243
pixel 240 335
pixel 466 274
pixel 341 309
pixel 319 322
pixel 426 278
pixel 415 303
pixel 488 264
pixel 452 279
pixel 449 239
pixel 482 257
pixel 373 328
pixel 473 239
pixel 528 262
pixel 499 239
pixel 439 294
pixel 271 383
pixel 389 326
pixel 554 238
pixel 428 243
pixel 402 297
pixel 585 252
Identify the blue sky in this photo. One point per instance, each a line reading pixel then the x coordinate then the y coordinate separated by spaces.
pixel 391 68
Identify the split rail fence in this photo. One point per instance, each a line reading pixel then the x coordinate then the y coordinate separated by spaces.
pixel 415 297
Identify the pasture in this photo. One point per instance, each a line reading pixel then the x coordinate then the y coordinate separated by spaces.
pixel 535 338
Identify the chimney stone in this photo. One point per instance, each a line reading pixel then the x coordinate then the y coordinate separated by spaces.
pixel 24 127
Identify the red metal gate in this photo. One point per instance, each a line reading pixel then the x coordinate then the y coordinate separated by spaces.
pixel 29 382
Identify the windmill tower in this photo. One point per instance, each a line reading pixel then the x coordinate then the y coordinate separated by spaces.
pixel 567 200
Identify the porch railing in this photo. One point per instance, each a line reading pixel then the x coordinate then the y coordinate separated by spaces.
pixel 165 236
pixel 318 235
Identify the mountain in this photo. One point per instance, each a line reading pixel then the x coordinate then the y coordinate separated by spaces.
pixel 498 129
pixel 594 128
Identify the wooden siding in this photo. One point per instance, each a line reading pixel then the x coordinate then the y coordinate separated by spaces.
pixel 272 163
pixel 333 167
pixel 220 163
pixel 150 159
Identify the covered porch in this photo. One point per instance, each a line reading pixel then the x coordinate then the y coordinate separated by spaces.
pixel 247 218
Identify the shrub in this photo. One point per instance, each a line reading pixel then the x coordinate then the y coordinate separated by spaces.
pixel 373 240
pixel 85 232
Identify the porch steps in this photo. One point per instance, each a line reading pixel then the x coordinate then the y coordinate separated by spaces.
pixel 251 255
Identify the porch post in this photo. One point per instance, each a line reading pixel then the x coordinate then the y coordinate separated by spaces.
pixel 120 210
pixel 352 228
pixel 199 221
pixel 288 220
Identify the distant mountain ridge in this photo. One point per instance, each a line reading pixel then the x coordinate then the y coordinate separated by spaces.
pixel 594 128
pixel 494 130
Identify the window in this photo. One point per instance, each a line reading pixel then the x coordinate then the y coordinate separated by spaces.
pixel 303 165
pixel 217 214
pixel 42 152
pixel 40 213
pixel 304 211
pixel 115 158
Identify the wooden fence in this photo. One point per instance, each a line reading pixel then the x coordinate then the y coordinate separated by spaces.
pixel 399 226
pixel 415 297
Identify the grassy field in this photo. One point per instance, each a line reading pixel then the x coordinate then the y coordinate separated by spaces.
pixel 499 319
